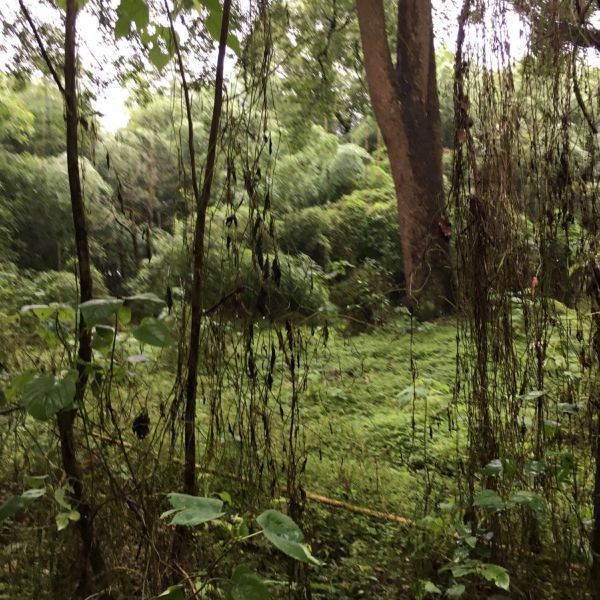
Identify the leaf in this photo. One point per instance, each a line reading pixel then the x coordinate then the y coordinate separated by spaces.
pixel 234 44
pixel 190 511
pixel 175 592
pixel 18 383
pixel 158 58
pixel 489 499
pixel 247 585
pixel 131 11
pixel 153 332
pixel 496 573
pixel 285 535
pixel 10 507
pixel 145 297
pixel 493 468
pixel 46 311
pixel 532 395
pixel 98 310
pixel 60 495
pixel 124 315
pixel 528 498
pixel 103 337
pixel 45 395
pixel 15 503
pixel 455 591
pixel 430 588
pixel 64 518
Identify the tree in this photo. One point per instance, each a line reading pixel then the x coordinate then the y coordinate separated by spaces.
pixel 91 555
pixel 406 106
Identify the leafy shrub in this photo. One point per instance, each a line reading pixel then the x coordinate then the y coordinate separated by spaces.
pixel 364 296
pixel 307 232
pixel 301 288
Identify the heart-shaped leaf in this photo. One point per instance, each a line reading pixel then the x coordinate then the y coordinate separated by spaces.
pixel 153 332
pixel 45 395
pixel 98 310
pixel 285 535
pixel 247 585
pixel 190 511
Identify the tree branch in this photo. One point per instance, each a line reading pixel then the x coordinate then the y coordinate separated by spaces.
pixel 42 48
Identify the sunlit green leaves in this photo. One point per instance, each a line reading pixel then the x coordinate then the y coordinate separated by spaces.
pixel 190 511
pixel 247 585
pixel 285 535
pixel 131 11
pixel 153 332
pixel 46 395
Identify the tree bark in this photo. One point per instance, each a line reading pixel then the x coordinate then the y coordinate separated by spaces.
pixel 90 552
pixel 406 107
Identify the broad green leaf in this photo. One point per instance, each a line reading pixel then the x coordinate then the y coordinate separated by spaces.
pixel 12 505
pixel 193 510
pixel 430 588
pixel 103 337
pixel 493 468
pixel 15 503
pixel 528 498
pixel 234 44
pixel 489 499
pixel 36 481
pixel 124 315
pixel 98 310
pixel 158 58
pixel 285 535
pixel 45 395
pixel 532 395
pixel 534 468
pixel 455 591
pixel 145 297
pixel 212 5
pixel 15 387
pixel 131 11
pixel 496 573
pixel 60 495
pixel 153 332
pixel 46 311
pixel 247 585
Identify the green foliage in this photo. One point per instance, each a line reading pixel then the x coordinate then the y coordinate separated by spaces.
pixel 191 511
pixel 46 395
pixel 285 535
pixel 246 585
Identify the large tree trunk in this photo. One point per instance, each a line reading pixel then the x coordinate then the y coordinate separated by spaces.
pixel 90 552
pixel 406 106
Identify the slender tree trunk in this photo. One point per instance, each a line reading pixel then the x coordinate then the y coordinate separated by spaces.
pixel 201 198
pixel 406 106
pixel 90 552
